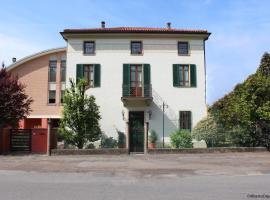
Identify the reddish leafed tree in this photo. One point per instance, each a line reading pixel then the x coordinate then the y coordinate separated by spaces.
pixel 14 102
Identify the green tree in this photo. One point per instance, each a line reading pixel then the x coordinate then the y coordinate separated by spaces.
pixel 79 124
pixel 210 131
pixel 247 108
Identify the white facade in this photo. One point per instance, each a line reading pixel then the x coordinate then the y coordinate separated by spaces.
pixel 160 51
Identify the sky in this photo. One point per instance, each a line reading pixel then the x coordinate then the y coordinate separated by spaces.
pixel 240 29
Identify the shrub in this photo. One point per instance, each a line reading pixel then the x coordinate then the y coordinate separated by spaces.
pixel 153 137
pixel 121 139
pixel 90 146
pixel 181 139
pixel 210 131
pixel 108 142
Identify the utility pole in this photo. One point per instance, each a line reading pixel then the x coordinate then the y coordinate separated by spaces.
pixel 163 124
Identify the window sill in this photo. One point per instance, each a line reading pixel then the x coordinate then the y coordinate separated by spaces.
pixel 184 86
pixel 184 54
pixel 136 54
pixel 89 54
pixel 51 104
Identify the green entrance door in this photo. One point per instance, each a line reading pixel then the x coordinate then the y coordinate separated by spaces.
pixel 136 131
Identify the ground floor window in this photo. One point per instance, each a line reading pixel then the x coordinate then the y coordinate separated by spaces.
pixel 62 96
pixel 185 120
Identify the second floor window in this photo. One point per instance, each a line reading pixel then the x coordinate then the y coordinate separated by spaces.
pixel 183 48
pixel 89 47
pixel 136 47
pixel 63 71
pixel 88 74
pixel 184 75
pixel 52 71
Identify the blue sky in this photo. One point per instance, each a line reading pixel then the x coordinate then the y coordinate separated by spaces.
pixel 240 29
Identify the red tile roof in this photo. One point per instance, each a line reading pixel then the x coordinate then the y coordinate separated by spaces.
pixel 136 30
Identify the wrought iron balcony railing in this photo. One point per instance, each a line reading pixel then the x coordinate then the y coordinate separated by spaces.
pixel 144 90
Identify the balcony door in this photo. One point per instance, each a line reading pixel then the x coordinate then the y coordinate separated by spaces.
pixel 136 80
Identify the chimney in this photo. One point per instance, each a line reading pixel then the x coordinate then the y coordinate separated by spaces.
pixel 13 59
pixel 168 25
pixel 102 24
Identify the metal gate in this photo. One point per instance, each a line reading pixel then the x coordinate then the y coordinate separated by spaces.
pixel 21 140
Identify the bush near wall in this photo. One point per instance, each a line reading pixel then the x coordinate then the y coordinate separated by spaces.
pixel 181 139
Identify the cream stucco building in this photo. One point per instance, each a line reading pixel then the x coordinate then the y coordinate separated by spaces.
pixel 137 73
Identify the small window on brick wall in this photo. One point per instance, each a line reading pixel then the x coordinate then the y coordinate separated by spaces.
pixel 52 95
pixel 62 96
pixel 63 71
pixel 52 71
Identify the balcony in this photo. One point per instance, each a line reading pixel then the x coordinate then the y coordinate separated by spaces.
pixel 137 96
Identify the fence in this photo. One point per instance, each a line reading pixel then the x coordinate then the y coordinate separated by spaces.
pixel 38 140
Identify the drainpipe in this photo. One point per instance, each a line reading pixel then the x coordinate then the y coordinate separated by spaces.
pixel 49 137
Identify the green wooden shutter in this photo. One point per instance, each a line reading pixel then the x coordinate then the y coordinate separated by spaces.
pixel 193 76
pixel 79 74
pixel 97 75
pixel 147 80
pixel 176 79
pixel 126 80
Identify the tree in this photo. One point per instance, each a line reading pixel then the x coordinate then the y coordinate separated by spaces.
pixel 14 102
pixel 210 131
pixel 247 108
pixel 79 124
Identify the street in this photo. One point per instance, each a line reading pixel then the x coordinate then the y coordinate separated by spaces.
pixel 188 176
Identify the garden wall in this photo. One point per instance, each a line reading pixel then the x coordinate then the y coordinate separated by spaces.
pixel 207 150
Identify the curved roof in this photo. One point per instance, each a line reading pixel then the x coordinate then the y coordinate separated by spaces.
pixel 34 56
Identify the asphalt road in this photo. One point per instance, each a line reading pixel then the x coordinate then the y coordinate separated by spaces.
pixel 199 176
pixel 66 186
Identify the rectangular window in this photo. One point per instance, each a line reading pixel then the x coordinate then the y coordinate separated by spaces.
pixel 88 74
pixel 183 48
pixel 62 96
pixel 52 95
pixel 136 80
pixel 184 75
pixel 136 47
pixel 52 71
pixel 185 120
pixel 89 47
pixel 63 71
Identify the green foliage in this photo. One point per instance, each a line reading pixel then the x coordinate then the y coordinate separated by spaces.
pixel 90 146
pixel 121 139
pixel 211 132
pixel 153 137
pixel 108 142
pixel 247 108
pixel 181 139
pixel 79 124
